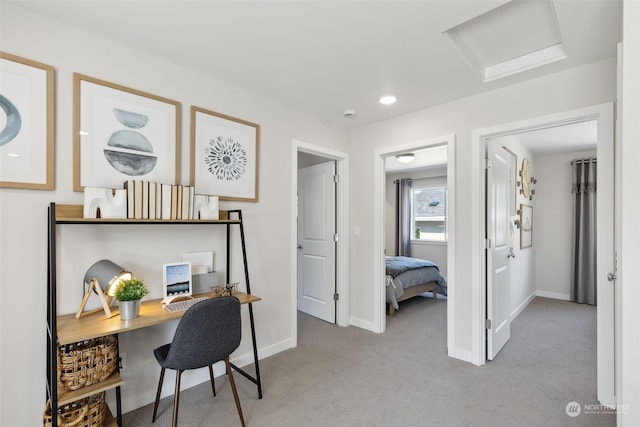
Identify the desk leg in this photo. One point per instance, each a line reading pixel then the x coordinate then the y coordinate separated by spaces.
pixel 255 352
pixel 257 381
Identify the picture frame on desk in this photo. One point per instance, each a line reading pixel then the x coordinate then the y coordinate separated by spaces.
pixel 224 155
pixel 122 133
pixel 27 133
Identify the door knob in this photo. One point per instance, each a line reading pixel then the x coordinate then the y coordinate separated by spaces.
pixel 611 277
pixel 300 247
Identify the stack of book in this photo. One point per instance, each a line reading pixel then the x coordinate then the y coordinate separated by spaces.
pixel 154 200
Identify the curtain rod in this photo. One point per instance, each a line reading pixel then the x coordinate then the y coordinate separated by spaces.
pixel 417 179
pixel 592 159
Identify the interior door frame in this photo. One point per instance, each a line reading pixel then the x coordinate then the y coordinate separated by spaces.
pixel 478 206
pixel 342 229
pixel 379 296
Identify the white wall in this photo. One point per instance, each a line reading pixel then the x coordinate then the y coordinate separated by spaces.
pixel 628 385
pixel 584 86
pixel 553 223
pixel 434 252
pixel 23 229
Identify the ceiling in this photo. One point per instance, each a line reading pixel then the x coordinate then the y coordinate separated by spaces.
pixel 324 57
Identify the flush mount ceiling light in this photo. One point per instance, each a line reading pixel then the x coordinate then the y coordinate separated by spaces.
pixel 405 157
pixel 487 42
pixel 388 99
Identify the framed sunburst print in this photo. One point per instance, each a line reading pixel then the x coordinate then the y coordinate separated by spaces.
pixel 224 156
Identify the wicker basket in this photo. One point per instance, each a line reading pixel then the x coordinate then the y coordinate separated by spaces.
pixel 87 362
pixel 87 412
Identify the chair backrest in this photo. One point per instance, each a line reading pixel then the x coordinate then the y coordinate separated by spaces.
pixel 208 332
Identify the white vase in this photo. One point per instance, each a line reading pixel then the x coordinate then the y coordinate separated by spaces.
pixel 129 309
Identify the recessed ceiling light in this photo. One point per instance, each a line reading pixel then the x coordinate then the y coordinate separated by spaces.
pixel 405 157
pixel 388 99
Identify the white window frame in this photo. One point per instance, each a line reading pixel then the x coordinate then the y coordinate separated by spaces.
pixel 446 214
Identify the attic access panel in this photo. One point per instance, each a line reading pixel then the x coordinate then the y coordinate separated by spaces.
pixel 514 37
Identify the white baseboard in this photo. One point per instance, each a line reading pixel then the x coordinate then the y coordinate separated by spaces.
pixel 465 356
pixel 522 306
pixel 364 324
pixel 554 295
pixel 195 377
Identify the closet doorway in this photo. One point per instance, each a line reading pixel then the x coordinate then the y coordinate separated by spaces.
pixel 306 156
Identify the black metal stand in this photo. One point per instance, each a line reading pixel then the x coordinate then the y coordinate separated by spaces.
pixel 51 369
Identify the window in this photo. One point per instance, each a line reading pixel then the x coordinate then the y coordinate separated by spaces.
pixel 429 213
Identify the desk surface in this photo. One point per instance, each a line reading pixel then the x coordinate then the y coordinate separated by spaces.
pixel 96 325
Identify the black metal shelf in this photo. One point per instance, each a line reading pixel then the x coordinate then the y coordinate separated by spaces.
pixel 70 215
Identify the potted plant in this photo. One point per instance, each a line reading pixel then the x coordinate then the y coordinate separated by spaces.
pixel 129 293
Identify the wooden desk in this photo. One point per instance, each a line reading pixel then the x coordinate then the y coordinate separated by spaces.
pixel 71 330
pixel 96 325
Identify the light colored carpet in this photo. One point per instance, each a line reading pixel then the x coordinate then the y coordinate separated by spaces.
pixel 350 377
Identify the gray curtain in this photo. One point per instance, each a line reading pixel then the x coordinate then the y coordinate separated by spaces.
pixel 403 217
pixel 583 273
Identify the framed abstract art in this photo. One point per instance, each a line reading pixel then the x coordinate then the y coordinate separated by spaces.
pixel 121 134
pixel 27 128
pixel 224 156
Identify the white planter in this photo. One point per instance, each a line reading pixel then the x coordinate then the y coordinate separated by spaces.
pixel 129 309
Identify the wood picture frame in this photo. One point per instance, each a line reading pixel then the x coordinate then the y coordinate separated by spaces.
pixel 121 134
pixel 27 137
pixel 225 154
pixel 526 226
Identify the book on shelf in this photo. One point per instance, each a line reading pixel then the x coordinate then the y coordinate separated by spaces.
pixel 137 204
pixel 128 186
pixel 152 200
pixel 185 202
pixel 166 201
pixel 145 199
pixel 174 202
pixel 158 201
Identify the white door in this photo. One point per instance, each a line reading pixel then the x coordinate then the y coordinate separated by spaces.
pixel 316 244
pixel 499 251
pixel 605 259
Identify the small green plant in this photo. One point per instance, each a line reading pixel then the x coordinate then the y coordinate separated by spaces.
pixel 131 290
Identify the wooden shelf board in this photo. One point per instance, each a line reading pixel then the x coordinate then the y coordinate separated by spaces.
pixel 67 396
pixel 72 214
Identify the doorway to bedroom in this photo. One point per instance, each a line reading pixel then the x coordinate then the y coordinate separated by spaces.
pixel 417 217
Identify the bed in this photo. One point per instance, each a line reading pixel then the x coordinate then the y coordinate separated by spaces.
pixel 408 277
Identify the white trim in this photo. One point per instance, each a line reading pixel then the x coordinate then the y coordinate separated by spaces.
pixel 553 295
pixel 379 300
pixel 342 228
pixel 522 306
pixel 478 211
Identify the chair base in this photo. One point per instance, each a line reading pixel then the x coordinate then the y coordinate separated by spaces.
pixel 176 395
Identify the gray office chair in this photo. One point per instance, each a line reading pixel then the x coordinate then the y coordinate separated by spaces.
pixel 208 332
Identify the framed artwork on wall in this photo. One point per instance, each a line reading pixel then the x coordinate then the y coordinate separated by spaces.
pixel 27 129
pixel 121 134
pixel 224 156
pixel 526 226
